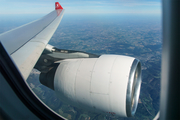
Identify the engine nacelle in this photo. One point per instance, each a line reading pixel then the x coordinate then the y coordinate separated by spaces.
pixel 109 84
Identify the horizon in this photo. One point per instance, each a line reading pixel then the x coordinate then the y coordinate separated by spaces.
pixel 141 7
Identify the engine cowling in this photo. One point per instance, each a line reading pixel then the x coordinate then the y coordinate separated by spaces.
pixel 109 84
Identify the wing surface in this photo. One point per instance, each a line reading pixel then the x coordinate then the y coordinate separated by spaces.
pixel 26 43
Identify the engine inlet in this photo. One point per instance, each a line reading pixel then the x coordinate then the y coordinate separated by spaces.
pixel 133 88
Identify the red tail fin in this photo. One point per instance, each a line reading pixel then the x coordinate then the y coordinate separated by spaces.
pixel 58 6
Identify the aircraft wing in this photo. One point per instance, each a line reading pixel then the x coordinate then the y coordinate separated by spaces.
pixel 108 84
pixel 26 43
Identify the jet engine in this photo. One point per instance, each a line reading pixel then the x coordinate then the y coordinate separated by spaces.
pixel 109 84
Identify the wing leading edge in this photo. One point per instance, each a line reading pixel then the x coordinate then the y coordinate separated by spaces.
pixel 26 43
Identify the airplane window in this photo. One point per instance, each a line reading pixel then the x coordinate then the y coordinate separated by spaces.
pixel 135 35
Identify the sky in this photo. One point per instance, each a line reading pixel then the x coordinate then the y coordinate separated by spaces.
pixel 81 6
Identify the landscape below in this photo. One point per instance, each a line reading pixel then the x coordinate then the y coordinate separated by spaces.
pixel 138 36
